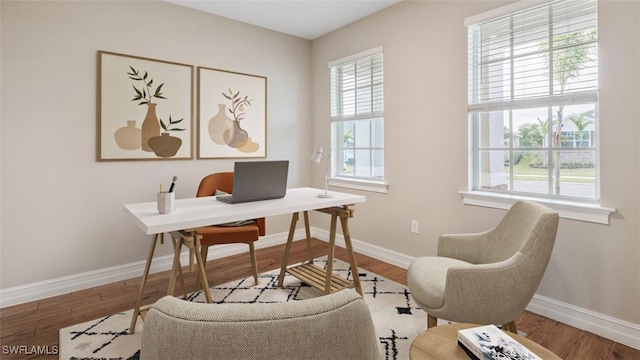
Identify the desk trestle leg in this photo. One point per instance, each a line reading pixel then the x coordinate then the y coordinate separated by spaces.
pixel 285 257
pixel 203 274
pixel 308 233
pixel 176 270
pixel 323 279
pixel 191 240
pixel 332 244
pixel 352 257
pixel 137 310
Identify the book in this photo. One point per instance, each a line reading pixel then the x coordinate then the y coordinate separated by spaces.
pixel 490 343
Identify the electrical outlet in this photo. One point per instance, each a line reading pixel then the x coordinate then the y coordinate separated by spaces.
pixel 414 226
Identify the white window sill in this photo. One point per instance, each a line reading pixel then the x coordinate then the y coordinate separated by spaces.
pixel 566 209
pixel 364 185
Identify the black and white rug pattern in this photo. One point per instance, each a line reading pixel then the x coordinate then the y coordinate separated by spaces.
pixel 396 317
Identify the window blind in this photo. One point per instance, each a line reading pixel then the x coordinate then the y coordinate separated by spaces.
pixel 519 60
pixel 357 87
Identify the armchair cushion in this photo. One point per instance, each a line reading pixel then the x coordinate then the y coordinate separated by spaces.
pixel 428 276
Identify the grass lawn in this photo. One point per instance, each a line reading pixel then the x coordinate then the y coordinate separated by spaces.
pixel 522 171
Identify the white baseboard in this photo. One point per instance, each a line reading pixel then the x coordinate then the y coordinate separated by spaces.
pixel 374 251
pixel 606 326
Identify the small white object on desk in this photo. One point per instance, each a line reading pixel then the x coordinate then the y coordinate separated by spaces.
pixel 166 202
pixel 317 157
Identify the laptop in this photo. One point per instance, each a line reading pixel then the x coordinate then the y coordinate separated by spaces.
pixel 258 180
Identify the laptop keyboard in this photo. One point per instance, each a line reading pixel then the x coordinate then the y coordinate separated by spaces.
pixel 224 198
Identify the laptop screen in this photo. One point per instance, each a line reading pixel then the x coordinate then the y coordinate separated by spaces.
pixel 259 180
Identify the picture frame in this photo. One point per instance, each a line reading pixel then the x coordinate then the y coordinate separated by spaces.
pixel 145 108
pixel 232 114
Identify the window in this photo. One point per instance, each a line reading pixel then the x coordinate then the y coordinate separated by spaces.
pixel 533 100
pixel 357 117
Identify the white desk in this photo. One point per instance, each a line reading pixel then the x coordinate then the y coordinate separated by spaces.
pixel 194 213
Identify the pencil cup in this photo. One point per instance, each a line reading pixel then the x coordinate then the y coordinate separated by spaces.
pixel 166 202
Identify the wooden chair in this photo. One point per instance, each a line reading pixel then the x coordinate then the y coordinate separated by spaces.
pixel 228 233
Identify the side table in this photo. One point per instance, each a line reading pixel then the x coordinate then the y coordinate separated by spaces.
pixel 441 342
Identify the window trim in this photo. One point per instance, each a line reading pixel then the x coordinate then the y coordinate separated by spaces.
pixel 350 58
pixel 593 213
pixel 357 184
pixel 502 11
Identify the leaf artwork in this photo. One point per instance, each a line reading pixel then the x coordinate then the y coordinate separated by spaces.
pixel 167 127
pixel 145 94
pixel 238 104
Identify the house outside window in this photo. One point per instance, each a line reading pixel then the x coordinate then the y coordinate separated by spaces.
pixel 533 100
pixel 357 119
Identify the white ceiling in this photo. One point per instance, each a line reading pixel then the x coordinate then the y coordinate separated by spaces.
pixel 307 19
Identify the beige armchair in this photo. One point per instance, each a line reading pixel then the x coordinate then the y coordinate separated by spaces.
pixel 489 277
pixel 335 326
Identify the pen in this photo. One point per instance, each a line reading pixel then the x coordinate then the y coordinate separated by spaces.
pixel 173 183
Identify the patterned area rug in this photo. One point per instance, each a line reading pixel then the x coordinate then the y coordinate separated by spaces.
pixel 396 317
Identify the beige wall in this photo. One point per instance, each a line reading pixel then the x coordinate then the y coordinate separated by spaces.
pixel 61 210
pixel 593 266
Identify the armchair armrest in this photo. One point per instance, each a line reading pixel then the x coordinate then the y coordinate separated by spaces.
pixel 502 289
pixel 466 247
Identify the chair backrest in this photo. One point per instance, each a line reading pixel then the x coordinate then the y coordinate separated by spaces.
pixel 219 181
pixel 335 326
pixel 526 227
pixel 223 181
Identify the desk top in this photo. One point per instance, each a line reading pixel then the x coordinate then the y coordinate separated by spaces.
pixel 203 211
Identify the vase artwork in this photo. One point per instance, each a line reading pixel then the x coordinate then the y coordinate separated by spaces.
pixel 219 124
pixel 165 145
pixel 148 137
pixel 226 130
pixel 150 127
pixel 232 114
pixel 128 137
pixel 236 137
pixel 142 103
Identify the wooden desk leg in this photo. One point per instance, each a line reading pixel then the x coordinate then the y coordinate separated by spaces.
pixel 332 243
pixel 176 270
pixel 352 258
pixel 308 233
pixel 145 274
pixel 192 256
pixel 285 257
pixel 203 273
pixel 184 288
pixel 174 267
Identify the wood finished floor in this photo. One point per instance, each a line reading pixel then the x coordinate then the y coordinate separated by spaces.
pixel 37 323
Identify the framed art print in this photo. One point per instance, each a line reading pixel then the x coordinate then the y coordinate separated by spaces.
pixel 144 108
pixel 232 114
